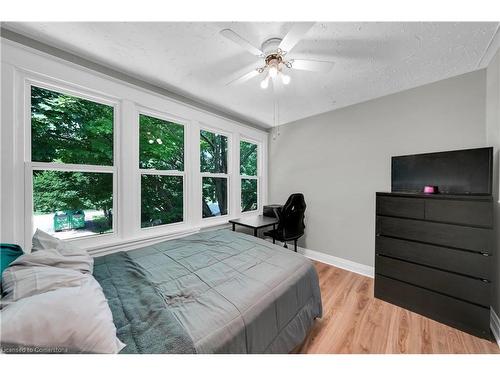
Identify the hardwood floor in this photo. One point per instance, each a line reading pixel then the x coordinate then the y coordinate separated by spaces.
pixel 355 322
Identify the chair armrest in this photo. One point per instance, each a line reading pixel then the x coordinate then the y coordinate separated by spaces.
pixel 278 214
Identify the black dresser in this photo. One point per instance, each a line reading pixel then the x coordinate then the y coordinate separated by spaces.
pixel 434 256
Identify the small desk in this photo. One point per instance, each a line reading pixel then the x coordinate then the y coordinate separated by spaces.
pixel 255 222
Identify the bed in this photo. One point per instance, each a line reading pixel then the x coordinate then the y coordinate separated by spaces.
pixel 211 292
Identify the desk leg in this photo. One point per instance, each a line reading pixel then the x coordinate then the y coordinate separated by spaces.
pixel 255 232
pixel 274 231
pixel 234 225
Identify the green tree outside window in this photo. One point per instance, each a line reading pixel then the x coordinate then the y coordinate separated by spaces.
pixel 248 167
pixel 161 144
pixel 161 147
pixel 71 130
pixel 213 159
pixel 248 159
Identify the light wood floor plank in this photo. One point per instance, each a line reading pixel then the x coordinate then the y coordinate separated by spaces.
pixel 356 322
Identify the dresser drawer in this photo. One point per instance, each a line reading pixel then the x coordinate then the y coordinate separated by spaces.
pixel 401 207
pixel 459 314
pixel 468 238
pixel 464 262
pixel 460 212
pixel 451 284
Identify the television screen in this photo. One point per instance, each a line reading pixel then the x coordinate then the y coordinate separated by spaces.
pixel 453 172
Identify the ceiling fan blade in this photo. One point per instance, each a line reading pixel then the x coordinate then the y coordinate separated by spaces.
pixel 313 65
pixel 231 35
pixel 295 35
pixel 245 77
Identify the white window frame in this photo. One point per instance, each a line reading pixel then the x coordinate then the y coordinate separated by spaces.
pixel 31 166
pixel 246 177
pixel 227 176
pixel 141 110
pixel 21 64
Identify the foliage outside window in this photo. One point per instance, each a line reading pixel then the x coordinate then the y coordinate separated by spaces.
pixel 214 167
pixel 73 168
pixel 248 194
pixel 249 179
pixel 68 201
pixel 248 159
pixel 161 164
pixel 68 129
pixel 213 152
pixel 214 196
pixel 161 144
pixel 161 200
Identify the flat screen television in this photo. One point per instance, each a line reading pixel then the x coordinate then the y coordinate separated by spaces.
pixel 453 172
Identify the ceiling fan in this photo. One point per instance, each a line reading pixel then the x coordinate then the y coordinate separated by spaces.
pixel 275 52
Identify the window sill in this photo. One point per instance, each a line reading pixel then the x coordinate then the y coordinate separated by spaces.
pixel 115 245
pixel 136 242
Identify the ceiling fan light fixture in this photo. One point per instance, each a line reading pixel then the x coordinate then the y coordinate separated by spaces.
pixel 264 84
pixel 273 51
pixel 273 71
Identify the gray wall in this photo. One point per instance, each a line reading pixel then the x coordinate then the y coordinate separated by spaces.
pixel 341 158
pixel 493 139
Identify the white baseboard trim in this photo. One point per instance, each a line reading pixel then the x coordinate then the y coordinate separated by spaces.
pixel 345 264
pixel 495 325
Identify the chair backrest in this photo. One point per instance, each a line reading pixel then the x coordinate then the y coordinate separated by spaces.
pixel 291 217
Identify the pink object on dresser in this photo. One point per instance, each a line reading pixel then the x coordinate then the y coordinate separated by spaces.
pixel 430 189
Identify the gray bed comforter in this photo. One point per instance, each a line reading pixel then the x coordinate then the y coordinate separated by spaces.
pixel 141 318
pixel 211 292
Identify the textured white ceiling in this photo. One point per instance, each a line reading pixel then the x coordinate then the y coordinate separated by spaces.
pixel 371 59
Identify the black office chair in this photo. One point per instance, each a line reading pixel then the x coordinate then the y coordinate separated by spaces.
pixel 291 221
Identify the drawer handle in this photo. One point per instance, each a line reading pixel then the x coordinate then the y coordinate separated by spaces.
pixel 485 254
pixel 485 281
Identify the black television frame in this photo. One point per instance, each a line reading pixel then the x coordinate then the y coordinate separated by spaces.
pixel 417 186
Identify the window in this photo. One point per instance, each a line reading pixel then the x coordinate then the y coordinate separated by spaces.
pixel 214 172
pixel 72 164
pixel 249 176
pixel 161 166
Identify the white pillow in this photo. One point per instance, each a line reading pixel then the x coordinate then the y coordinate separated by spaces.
pixel 83 263
pixel 43 241
pixel 21 281
pixel 75 318
pixel 65 254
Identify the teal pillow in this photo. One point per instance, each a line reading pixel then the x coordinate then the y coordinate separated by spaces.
pixel 8 254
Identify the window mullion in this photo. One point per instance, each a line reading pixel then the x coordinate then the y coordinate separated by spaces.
pixel 70 167
pixel 209 174
pixel 128 185
pixel 195 188
pixel 162 173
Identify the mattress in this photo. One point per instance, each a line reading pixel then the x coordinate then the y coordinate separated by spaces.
pixel 224 292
